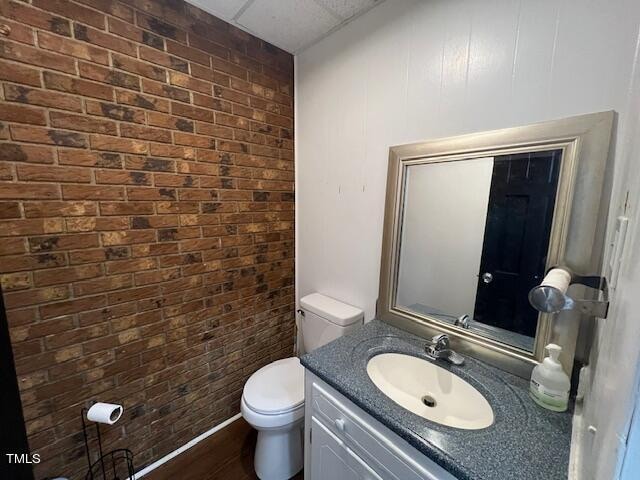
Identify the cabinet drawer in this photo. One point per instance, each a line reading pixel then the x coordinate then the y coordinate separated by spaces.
pixel 376 449
pixel 333 460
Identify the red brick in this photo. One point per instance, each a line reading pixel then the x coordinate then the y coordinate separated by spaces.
pixel 217 49
pixel 58 209
pixel 6 171
pixel 48 136
pixel 96 224
pixel 143 101
pixel 82 123
pixel 77 86
pixel 72 306
pixel 116 112
pixel 66 8
pixel 26 191
pixel 140 193
pixel 190 83
pixel 102 285
pixel 127 208
pixel 72 48
pixel 89 192
pixel 30 227
pixel 119 177
pixel 98 255
pixel 14 72
pixel 116 9
pixel 109 76
pixel 102 39
pixel 63 242
pixel 136 34
pixel 10 210
pixel 132 265
pixel 34 56
pixel 229 68
pixel 139 68
pixel 231 95
pixel 212 103
pixel 35 296
pixel 35 17
pixel 15 281
pixel 160 28
pixel 129 237
pixel 89 159
pixel 171 151
pixel 211 130
pixel 115 144
pixel 43 98
pixel 184 51
pixel 170 180
pixel 158 119
pixel 65 275
pixel 13 152
pixel 188 139
pixel 43 173
pixel 167 91
pixel 160 58
pixel 145 133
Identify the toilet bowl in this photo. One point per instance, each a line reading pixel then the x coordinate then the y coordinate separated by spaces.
pixel 273 397
pixel 273 403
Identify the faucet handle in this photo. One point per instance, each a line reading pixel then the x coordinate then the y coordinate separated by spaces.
pixel 440 341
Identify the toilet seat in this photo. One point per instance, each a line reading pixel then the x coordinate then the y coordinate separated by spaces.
pixel 277 421
pixel 274 395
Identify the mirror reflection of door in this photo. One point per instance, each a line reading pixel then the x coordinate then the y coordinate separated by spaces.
pixel 516 239
pixel 474 240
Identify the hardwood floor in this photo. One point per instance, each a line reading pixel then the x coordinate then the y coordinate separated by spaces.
pixel 225 455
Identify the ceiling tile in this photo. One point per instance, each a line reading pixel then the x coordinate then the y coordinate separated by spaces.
pixel 347 8
pixel 288 24
pixel 225 9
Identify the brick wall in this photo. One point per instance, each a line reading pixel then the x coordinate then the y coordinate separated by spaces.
pixel 146 197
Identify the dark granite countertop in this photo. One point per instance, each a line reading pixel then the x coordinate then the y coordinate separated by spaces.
pixel 524 442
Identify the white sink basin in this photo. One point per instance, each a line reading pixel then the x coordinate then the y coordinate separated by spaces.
pixel 430 391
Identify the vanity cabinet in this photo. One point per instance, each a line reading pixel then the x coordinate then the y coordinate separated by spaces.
pixel 331 458
pixel 343 442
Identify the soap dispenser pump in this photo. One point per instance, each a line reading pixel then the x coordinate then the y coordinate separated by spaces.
pixel 549 386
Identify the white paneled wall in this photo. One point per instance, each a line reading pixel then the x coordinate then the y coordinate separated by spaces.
pixel 412 70
pixel 615 355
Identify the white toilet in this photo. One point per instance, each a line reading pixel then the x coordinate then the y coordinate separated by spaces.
pixel 273 397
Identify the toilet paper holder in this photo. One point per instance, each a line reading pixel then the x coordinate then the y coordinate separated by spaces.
pixel 118 460
pixel 551 295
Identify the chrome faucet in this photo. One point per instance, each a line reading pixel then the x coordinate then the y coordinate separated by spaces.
pixel 462 321
pixel 439 348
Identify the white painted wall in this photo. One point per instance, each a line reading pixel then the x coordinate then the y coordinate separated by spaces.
pixel 445 212
pixel 412 70
pixel 615 355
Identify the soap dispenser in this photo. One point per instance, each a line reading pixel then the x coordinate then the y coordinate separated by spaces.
pixel 549 386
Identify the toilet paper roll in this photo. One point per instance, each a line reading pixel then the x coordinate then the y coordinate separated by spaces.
pixel 557 278
pixel 108 413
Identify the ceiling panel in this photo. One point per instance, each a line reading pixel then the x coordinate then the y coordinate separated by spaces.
pixel 225 9
pixel 347 8
pixel 289 24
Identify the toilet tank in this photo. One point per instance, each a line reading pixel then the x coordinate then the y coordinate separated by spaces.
pixel 324 319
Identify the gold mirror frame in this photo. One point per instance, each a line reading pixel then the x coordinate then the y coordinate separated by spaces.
pixel 577 231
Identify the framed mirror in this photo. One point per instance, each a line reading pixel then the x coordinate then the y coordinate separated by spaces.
pixel 473 223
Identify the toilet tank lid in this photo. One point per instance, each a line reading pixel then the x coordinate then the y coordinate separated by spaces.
pixel 331 309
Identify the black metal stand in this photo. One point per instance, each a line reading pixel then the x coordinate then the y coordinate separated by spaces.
pixel 119 461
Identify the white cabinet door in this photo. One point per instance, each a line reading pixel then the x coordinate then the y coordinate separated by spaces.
pixel 331 459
